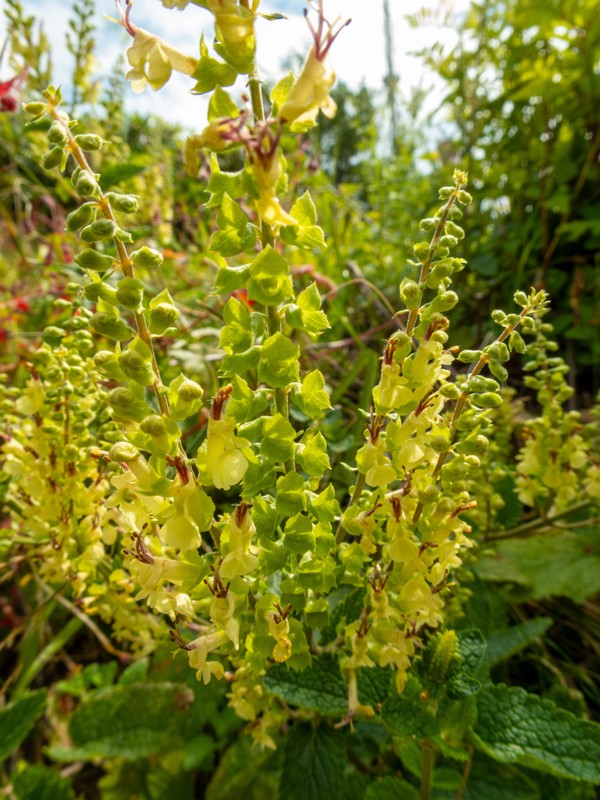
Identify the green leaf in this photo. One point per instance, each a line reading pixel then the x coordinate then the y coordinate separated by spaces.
pixel 238 363
pixel 210 73
pixel 260 476
pixel 278 364
pixel 311 453
pixel 324 506
pixel 135 673
pixel 280 92
pixel 269 282
pixel 313 399
pixel 243 771
pixel 463 681
pixel 18 718
pixel 277 441
pixel 222 183
pixel 306 234
pixel 320 687
pixel 516 727
pixel 408 715
pixel 490 780
pixel 290 494
pixel 245 404
pixel 391 788
pixel 221 105
pixel 228 279
pixel 38 782
pixel 236 233
pixel 565 564
pixel 130 722
pixel 505 644
pixel 305 313
pixel 314 761
pixel 236 336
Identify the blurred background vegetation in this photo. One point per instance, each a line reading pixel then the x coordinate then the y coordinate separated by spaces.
pixel 521 93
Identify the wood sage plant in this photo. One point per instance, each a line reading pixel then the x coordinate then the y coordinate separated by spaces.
pixel 245 548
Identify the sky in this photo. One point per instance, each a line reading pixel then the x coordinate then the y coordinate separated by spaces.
pixel 358 55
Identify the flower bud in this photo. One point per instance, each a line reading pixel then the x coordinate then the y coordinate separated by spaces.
pixel 161 317
pixel 469 356
pixel 57 135
pixel 111 326
pixel 446 301
pixel 454 230
pixel 136 367
pixel 516 342
pixel 428 224
pixel 498 371
pixel 497 351
pixel 479 383
pixel 54 332
pixel 421 251
pixel 85 184
pixel 123 452
pixel 499 316
pixel 108 364
pixel 487 400
pixel 446 192
pixel 450 390
pixel 185 397
pixel 92 259
pixel 80 217
pixel 130 293
pixel 147 257
pixel 154 425
pixel 468 420
pixel 53 158
pixel 448 241
pixel 429 494
pixel 99 230
pixel 464 197
pixel 520 298
pixel 410 293
pixel 126 405
pixel 440 443
pixel 126 203
pixel 475 446
pixel 89 141
pixel 35 109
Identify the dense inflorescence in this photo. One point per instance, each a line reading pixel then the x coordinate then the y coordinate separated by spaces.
pixel 242 544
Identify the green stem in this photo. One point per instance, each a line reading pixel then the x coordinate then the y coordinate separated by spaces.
pixel 274 324
pixel 536 524
pixel 358 490
pixel 427 771
pixel 52 648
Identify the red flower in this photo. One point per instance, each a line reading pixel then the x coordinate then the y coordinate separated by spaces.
pixel 21 304
pixel 10 92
